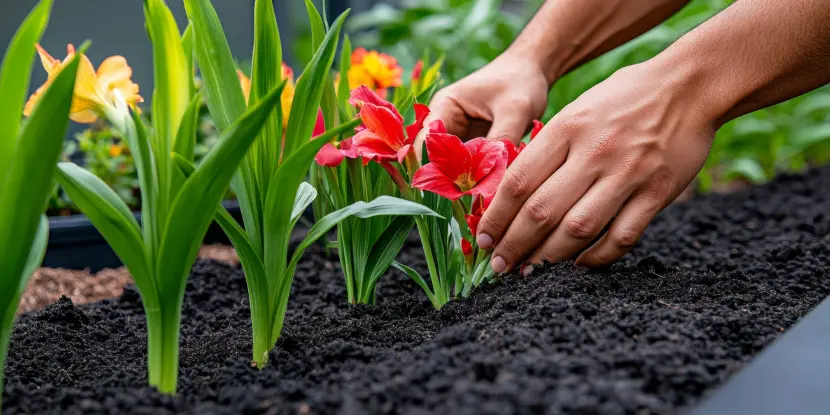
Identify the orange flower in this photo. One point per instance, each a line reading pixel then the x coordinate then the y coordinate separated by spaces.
pixel 116 150
pixel 378 71
pixel 94 91
pixel 287 93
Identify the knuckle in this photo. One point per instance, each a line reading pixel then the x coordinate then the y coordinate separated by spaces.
pixel 492 226
pixel 581 227
pixel 625 238
pixel 508 250
pixel 520 102
pixel 516 183
pixel 538 211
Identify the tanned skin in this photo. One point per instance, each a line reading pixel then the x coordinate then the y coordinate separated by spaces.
pixel 625 149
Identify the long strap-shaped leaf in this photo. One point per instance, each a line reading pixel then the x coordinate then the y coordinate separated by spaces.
pixel 14 79
pixel 29 179
pixel 111 217
pixel 189 217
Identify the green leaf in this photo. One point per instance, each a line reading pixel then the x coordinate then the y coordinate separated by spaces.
pixel 305 196
pixel 318 30
pixel 36 254
pixel 170 68
pixel 749 169
pixel 416 278
pixel 186 137
pixel 187 48
pixel 343 87
pixel 309 91
pixel 15 73
pixel 205 188
pixel 28 180
pixel 224 94
pixel 383 205
pixel 111 217
pixel 387 247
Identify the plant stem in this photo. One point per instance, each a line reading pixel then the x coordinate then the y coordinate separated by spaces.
pixel 260 326
pixel 169 353
pixel 155 335
pixel 437 288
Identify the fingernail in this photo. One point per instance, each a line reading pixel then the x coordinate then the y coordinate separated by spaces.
pixel 484 241
pixel 498 264
pixel 527 270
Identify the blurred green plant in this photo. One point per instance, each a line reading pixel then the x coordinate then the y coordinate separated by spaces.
pixel 469 33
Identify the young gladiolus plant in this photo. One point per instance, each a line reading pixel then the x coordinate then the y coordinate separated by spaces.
pixel 28 153
pixel 367 246
pixel 269 182
pixel 176 211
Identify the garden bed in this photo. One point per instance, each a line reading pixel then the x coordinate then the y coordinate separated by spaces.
pixel 712 283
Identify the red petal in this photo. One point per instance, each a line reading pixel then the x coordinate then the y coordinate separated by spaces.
pixel 466 247
pixel 437 126
pixel 484 155
pixel 432 179
pixel 472 223
pixel 512 151
pixel 384 124
pixel 329 156
pixel 320 125
pixel 364 95
pixel 537 126
pixel 487 186
pixel 416 71
pixel 369 145
pixel 447 153
pixel 348 149
pixel 403 152
pixel 421 113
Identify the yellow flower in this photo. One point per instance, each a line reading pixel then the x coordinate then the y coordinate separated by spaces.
pixel 94 91
pixel 116 150
pixel 287 93
pixel 378 71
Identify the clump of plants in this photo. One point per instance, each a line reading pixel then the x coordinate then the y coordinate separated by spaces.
pixel 28 153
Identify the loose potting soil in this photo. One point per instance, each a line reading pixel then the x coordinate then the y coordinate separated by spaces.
pixel 712 282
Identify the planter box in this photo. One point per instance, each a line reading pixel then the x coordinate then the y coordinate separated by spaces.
pixel 75 244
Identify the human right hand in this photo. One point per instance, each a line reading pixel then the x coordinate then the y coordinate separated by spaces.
pixel 498 101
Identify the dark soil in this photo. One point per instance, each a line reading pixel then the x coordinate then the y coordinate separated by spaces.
pixel 713 281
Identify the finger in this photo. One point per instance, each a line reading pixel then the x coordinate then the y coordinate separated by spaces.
pixel 509 123
pixel 542 212
pixel 534 166
pixel 624 232
pixel 584 221
pixel 445 107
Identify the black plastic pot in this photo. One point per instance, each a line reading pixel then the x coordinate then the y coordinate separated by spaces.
pixel 75 244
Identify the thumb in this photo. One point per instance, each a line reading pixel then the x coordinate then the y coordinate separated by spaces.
pixel 510 123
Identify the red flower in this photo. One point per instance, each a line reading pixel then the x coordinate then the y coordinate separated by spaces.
pixel 417 70
pixel 456 169
pixel 479 206
pixel 383 137
pixel 466 247
pixel 513 151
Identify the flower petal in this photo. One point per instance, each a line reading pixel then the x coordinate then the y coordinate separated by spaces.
pixel 245 83
pixel 370 146
pixel 466 247
pixel 472 222
pixel 329 156
pixel 384 123
pixel 421 113
pixel 484 154
pixel 319 125
pixel 348 149
pixel 430 178
pixel 437 126
pixel 537 126
pixel 447 153
pixel 511 151
pixel 363 94
pixel 487 186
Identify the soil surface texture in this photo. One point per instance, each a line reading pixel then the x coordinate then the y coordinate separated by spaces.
pixel 713 281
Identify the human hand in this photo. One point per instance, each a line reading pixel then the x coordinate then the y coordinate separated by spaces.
pixel 498 101
pixel 611 160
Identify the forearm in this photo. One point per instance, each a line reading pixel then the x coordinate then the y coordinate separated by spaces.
pixel 752 55
pixel 564 34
